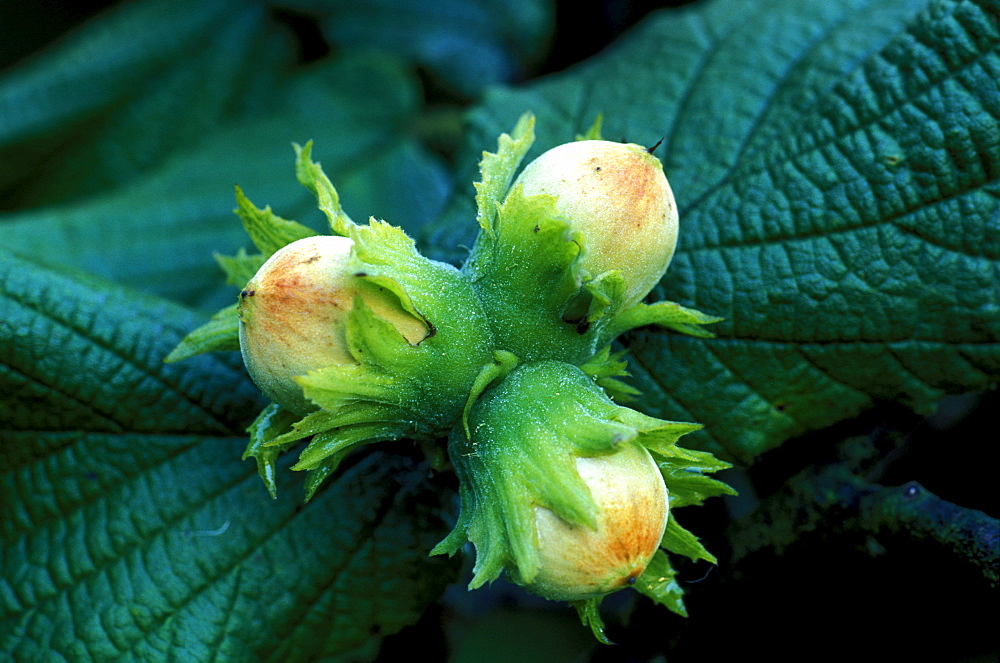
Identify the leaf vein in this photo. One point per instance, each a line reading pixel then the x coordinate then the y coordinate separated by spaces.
pixel 695 77
pixel 862 224
pixel 196 592
pixel 40 526
pixel 385 507
pixel 755 167
pixel 776 89
pixel 109 347
pixel 635 362
pixel 118 426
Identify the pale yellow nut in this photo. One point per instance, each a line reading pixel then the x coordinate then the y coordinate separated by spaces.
pixel 577 562
pixel 293 316
pixel 618 196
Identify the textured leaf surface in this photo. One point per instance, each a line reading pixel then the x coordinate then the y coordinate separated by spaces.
pixel 836 168
pixel 130 529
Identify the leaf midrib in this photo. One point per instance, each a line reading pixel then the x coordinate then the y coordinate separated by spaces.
pixel 143 369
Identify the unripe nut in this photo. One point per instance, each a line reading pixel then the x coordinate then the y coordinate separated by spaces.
pixel 577 562
pixel 618 196
pixel 293 316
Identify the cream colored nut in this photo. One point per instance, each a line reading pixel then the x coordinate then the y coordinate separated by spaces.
pixel 577 562
pixel 618 196
pixel 293 316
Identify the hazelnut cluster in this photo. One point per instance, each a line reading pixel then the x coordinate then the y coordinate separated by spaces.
pixel 356 337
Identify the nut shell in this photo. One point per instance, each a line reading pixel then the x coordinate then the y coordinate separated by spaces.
pixel 293 316
pixel 617 194
pixel 579 563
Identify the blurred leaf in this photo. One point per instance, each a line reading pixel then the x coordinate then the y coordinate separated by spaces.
pixel 129 528
pixel 222 332
pixel 104 183
pixel 468 44
pixel 837 170
pixel 120 95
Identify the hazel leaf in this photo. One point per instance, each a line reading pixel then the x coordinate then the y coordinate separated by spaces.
pixel 835 169
pixel 659 582
pixel 221 333
pixel 151 204
pixel 126 472
pixel 497 170
pixel 268 231
pixel 310 175
pixel 680 541
pixel 465 45
pixel 241 267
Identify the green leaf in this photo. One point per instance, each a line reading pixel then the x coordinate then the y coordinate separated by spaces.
pixel 131 529
pixel 222 332
pixel 659 582
pixel 468 44
pixel 310 175
pixel 241 267
pixel 498 169
pixel 268 231
pixel 680 541
pixel 272 422
pixel 73 347
pixel 119 155
pixel 102 107
pixel 836 171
